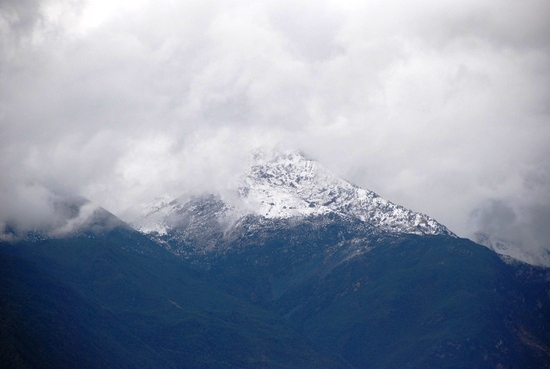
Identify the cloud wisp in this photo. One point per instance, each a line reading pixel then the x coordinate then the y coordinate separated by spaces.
pixel 442 108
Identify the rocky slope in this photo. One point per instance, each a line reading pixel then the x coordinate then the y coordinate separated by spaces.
pixel 281 186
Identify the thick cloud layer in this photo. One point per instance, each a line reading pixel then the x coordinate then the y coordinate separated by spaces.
pixel 442 107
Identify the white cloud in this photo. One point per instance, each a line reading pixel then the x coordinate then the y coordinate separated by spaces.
pixel 442 107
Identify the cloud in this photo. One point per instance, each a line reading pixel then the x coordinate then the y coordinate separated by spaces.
pixel 525 228
pixel 442 108
pixel 20 17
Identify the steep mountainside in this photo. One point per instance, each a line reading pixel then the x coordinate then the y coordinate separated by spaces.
pixel 279 186
pixel 383 300
pixel 361 277
pixel 117 300
pixel 292 268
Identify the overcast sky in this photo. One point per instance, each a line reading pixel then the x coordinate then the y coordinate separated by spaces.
pixel 440 106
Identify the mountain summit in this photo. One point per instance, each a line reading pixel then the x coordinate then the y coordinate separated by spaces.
pixel 292 267
pixel 287 184
pixel 283 185
pixel 361 277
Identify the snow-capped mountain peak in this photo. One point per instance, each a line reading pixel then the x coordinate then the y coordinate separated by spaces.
pixel 286 185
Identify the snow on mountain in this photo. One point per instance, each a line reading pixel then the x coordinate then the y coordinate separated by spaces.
pixel 155 214
pixel 283 185
pixel 510 250
pixel 287 185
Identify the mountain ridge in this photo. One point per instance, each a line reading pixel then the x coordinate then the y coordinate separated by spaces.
pixel 339 278
pixel 282 185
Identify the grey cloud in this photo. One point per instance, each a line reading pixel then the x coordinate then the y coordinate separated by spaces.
pixel 496 217
pixel 311 30
pixel 522 218
pixel 525 228
pixel 20 15
pixel 523 26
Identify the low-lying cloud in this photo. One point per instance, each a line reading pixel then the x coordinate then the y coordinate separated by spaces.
pixel 442 108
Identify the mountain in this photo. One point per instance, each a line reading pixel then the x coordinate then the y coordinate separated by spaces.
pixel 105 296
pixel 291 267
pixel 68 215
pixel 359 276
pixel 278 185
pixel 97 302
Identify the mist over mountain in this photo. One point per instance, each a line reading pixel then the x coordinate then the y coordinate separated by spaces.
pixel 287 185
pixel 136 230
pixel 289 267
